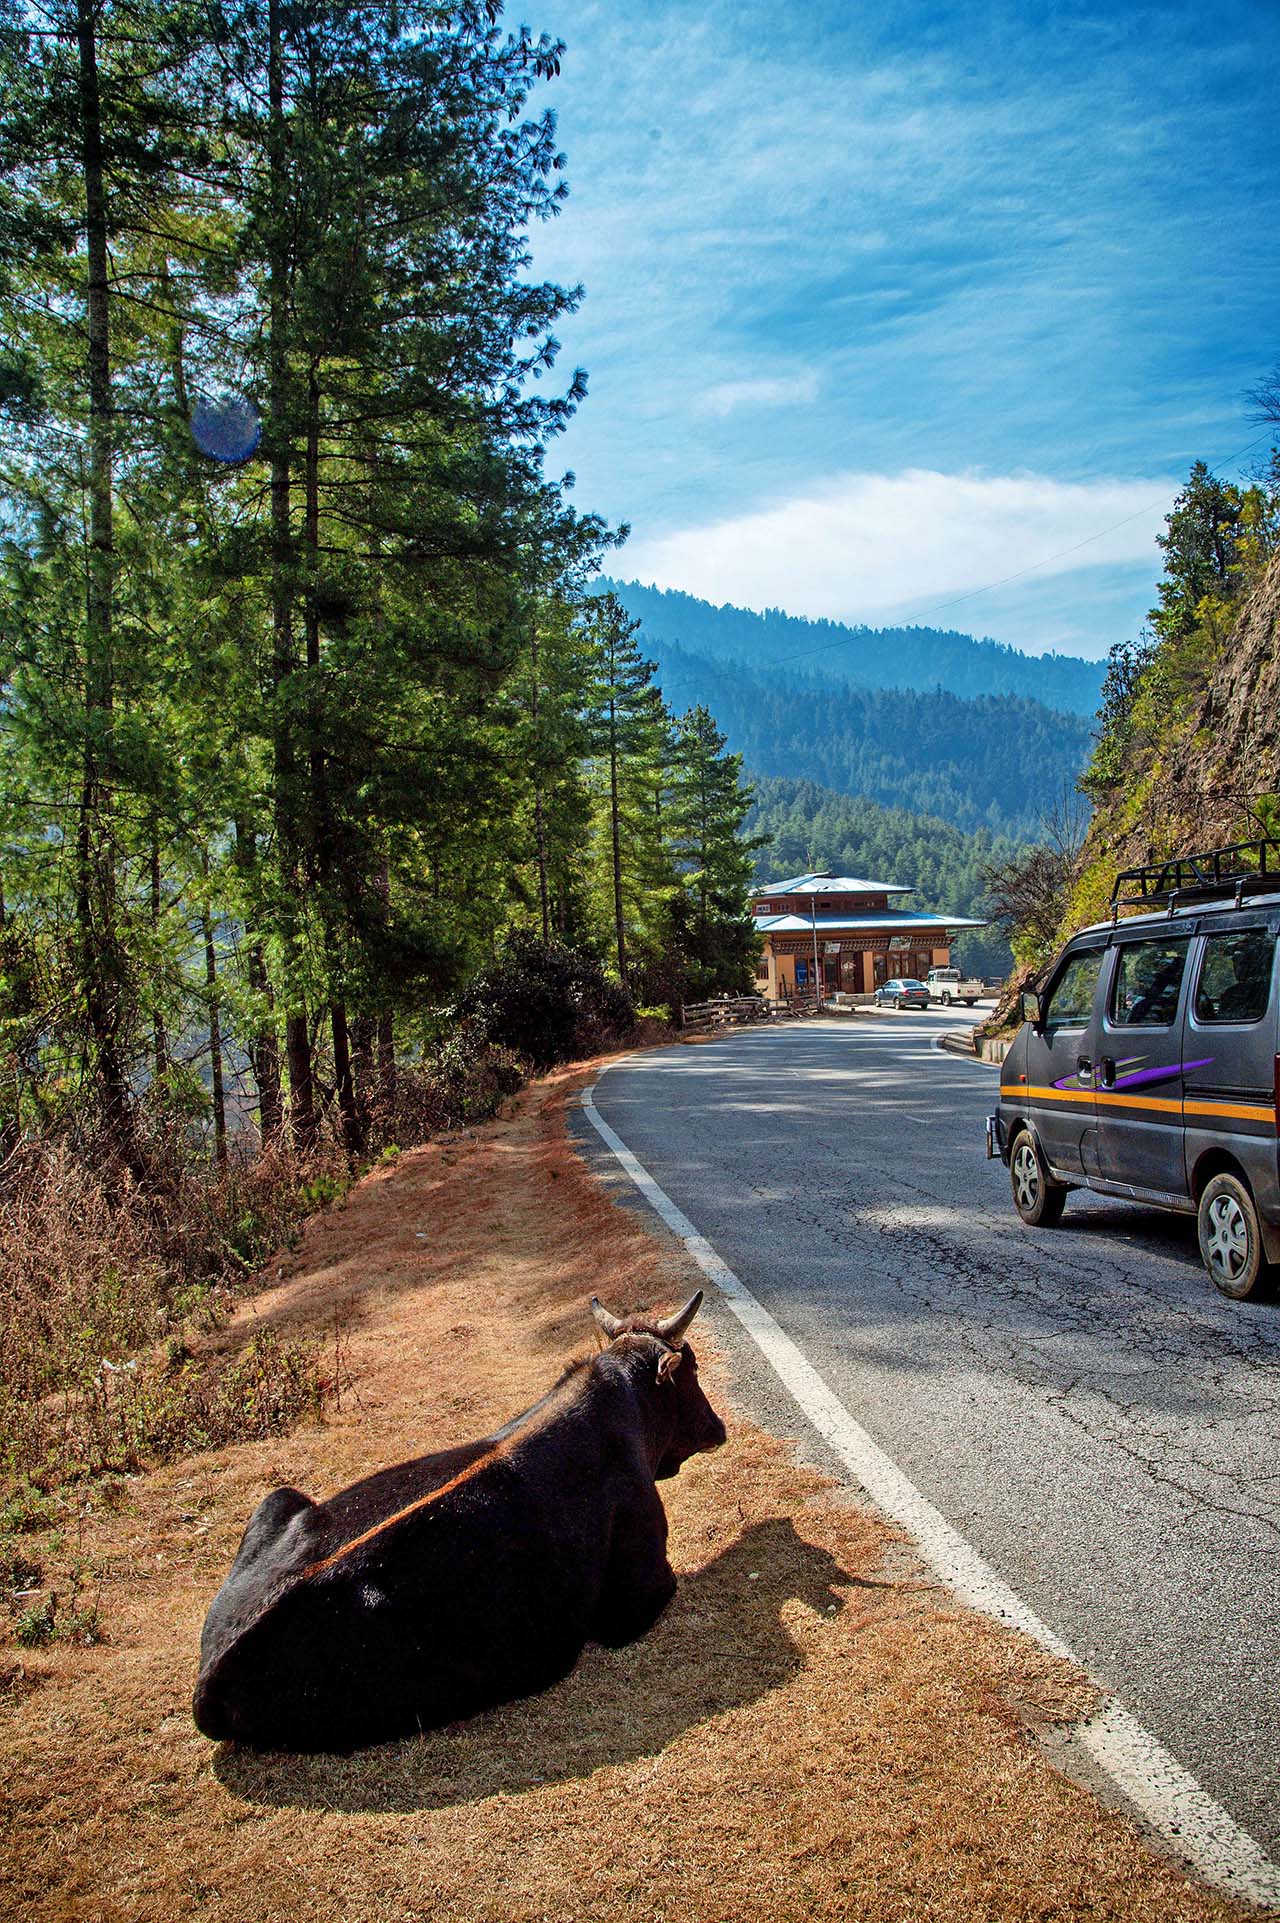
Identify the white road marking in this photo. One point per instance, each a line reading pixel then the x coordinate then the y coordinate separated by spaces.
pixel 1195 1826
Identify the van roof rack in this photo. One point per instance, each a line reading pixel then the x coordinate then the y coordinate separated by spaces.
pixel 1243 868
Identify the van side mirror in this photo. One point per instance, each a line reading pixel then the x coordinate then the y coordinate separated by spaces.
pixel 1032 1008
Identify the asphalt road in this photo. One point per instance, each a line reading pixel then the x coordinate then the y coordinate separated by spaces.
pixel 1079 1402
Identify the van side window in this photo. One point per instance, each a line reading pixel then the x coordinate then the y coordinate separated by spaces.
pixel 1147 983
pixel 1071 1002
pixel 1235 976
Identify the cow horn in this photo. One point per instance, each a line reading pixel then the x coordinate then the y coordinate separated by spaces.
pixel 609 1323
pixel 675 1325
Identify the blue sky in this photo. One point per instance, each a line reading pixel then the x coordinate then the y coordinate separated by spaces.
pixel 885 302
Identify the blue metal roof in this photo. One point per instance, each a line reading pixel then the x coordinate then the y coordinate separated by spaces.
pixel 880 919
pixel 831 885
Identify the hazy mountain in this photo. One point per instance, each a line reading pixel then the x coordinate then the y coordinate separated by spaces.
pixel 995 762
pixel 861 656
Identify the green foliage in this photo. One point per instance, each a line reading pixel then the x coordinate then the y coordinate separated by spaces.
pixel 1217 539
pixel 715 935
pixel 329 723
pixel 545 1003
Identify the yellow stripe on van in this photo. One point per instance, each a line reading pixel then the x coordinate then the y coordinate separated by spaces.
pixel 1244 1111
pixel 1165 1105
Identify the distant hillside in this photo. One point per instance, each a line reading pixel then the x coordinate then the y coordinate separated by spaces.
pixel 811 826
pixel 995 762
pixel 866 657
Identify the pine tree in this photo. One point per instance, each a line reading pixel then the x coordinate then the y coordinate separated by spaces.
pixel 709 807
pixel 92 145
pixel 630 739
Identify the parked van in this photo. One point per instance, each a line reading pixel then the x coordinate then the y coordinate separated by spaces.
pixel 1148 1064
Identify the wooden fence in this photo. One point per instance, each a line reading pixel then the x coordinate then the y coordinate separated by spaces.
pixel 735 1010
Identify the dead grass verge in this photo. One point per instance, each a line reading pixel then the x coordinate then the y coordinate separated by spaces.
pixel 812 1731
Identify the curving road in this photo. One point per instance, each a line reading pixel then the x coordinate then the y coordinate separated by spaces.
pixel 1079 1402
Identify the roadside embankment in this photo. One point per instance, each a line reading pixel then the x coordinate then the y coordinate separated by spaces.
pixel 813 1730
pixel 968 1041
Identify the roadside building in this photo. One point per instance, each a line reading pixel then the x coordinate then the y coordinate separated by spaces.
pixel 844 926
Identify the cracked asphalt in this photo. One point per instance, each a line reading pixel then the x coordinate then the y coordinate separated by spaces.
pixel 1078 1401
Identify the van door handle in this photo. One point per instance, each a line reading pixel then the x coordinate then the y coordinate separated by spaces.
pixel 1107 1071
pixel 1084 1068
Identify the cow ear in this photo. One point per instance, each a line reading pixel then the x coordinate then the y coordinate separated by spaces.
pixel 668 1363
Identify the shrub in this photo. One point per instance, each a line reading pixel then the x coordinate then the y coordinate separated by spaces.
pixel 546 1003
pixel 102 1281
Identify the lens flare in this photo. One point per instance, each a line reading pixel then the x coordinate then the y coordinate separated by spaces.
pixel 226 430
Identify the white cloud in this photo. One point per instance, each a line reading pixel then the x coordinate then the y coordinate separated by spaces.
pixel 877 547
pixel 733 397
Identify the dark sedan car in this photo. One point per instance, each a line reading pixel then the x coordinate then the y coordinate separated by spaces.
pixel 903 994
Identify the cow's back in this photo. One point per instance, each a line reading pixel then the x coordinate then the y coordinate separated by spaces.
pixel 414 1599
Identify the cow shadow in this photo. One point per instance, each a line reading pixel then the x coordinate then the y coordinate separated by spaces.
pixel 721 1644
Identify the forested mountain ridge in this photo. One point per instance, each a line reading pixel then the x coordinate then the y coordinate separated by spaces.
pixel 896 657
pixel 993 761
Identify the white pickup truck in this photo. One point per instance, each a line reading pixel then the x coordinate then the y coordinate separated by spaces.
pixel 946 985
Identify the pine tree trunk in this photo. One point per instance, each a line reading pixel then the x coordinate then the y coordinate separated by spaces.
pixel 264 1046
pixel 616 834
pixel 352 1131
pixel 387 1062
pixel 384 1090
pixel 215 1030
pixel 539 817
pixel 362 1069
pixel 264 1053
pixel 10 1084
pixel 302 1107
pixel 101 961
pixel 160 1039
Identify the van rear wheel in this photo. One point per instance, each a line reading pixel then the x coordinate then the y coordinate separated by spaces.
pixel 1230 1238
pixel 1038 1201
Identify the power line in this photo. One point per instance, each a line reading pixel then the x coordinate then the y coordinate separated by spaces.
pixel 972 594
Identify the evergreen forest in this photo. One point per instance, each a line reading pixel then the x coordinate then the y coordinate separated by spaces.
pixel 986 763
pixel 311 714
pixel 861 656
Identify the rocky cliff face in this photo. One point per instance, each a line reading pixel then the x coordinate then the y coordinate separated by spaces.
pixel 1203 770
pixel 1211 773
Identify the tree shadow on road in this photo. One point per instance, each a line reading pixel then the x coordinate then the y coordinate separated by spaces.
pixel 720 1645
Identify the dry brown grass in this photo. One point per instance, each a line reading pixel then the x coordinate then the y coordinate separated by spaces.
pixel 812 1731
pixel 97 1275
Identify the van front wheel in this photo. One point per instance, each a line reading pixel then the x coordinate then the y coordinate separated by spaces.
pixel 1038 1201
pixel 1230 1239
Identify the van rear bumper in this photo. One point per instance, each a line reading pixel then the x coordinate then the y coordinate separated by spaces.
pixel 997 1140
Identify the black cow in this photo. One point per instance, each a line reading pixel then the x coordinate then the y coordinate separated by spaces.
pixel 442 1586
